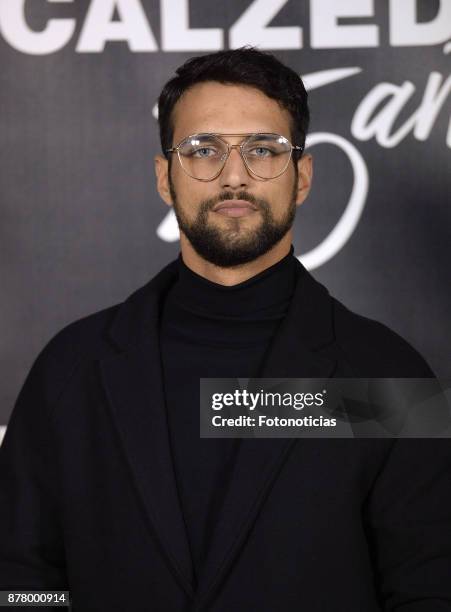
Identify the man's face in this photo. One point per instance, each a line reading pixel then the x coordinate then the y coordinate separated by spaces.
pixel 219 238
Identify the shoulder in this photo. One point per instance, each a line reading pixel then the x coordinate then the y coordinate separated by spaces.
pixel 82 337
pixel 372 346
pixel 91 338
pixel 81 341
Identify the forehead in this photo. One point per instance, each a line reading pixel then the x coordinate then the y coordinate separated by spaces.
pixel 228 108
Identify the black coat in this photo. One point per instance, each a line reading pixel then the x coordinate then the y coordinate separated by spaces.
pixel 88 498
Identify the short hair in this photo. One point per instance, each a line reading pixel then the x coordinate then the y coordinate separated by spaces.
pixel 243 66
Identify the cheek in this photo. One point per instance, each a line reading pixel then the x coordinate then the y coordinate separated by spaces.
pixel 180 182
pixel 281 191
pixel 289 185
pixel 286 179
pixel 190 193
pixel 176 171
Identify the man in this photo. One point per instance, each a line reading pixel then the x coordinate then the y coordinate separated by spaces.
pixel 106 487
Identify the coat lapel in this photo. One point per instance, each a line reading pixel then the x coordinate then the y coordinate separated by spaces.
pixel 133 383
pixel 302 348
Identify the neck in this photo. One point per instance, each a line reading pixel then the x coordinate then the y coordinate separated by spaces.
pixel 236 274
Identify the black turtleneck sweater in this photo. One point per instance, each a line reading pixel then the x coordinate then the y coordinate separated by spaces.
pixel 210 330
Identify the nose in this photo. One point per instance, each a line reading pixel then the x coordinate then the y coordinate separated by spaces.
pixel 234 174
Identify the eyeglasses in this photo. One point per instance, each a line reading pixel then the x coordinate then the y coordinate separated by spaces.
pixel 203 156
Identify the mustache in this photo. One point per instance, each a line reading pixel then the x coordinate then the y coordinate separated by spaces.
pixel 239 195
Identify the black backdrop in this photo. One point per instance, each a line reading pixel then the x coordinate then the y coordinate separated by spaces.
pixel 81 224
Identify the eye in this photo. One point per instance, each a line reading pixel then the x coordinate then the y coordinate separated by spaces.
pixel 260 152
pixel 204 152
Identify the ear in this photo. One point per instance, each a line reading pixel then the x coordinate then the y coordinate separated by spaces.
pixel 161 172
pixel 305 176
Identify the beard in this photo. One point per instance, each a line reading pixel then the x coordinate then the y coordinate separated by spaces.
pixel 234 245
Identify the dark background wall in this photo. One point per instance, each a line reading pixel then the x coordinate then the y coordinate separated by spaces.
pixel 81 224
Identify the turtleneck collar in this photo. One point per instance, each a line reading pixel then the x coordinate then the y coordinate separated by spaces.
pixel 265 293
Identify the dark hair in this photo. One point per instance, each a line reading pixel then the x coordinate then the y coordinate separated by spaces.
pixel 246 66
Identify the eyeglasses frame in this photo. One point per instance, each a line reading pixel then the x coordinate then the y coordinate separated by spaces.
pixel 240 147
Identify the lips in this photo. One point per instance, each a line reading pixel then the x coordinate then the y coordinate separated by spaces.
pixel 234 204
